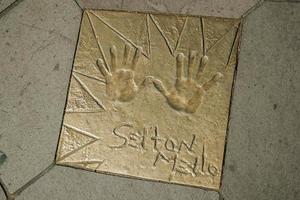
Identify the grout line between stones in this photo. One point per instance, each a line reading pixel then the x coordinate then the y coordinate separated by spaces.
pixel 221 197
pixel 12 196
pixel 5 190
pixel 122 4
pixel 10 7
pixel 283 1
pixel 76 1
pixel 33 180
pixel 254 7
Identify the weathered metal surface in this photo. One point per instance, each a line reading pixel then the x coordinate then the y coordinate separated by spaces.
pixel 149 96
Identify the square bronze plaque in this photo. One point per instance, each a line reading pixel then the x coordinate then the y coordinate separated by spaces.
pixel 149 96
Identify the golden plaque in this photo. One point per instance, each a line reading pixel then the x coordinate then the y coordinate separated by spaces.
pixel 149 96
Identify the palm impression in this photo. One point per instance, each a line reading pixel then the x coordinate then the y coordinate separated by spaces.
pixel 187 93
pixel 120 83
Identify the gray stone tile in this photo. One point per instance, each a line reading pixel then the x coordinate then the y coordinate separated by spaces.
pixel 5 3
pixel 2 195
pixel 283 1
pixel 262 159
pixel 67 183
pixel 222 8
pixel 3 158
pixel 103 4
pixel 38 39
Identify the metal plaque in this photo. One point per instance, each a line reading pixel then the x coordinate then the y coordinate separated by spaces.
pixel 149 96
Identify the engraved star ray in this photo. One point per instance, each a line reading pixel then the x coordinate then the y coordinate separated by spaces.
pixel 171 29
pixel 124 36
pixel 85 164
pixel 215 33
pixel 81 99
pixel 230 38
pixel 73 140
pixel 87 52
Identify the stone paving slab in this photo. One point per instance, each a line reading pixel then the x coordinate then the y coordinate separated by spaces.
pixel 221 8
pixel 103 4
pixel 38 40
pixel 2 195
pixel 262 159
pixel 5 3
pixel 67 183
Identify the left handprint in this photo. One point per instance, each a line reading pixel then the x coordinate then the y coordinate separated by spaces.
pixel 120 83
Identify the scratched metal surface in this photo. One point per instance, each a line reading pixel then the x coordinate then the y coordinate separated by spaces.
pixel 149 96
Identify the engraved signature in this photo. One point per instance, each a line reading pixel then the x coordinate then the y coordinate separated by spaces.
pixel 179 155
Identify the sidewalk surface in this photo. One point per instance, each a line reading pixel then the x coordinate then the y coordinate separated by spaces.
pixel 37 45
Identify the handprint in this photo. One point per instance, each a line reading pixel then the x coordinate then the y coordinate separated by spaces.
pixel 120 83
pixel 187 93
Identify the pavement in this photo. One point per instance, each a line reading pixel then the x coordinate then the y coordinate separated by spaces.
pixel 37 45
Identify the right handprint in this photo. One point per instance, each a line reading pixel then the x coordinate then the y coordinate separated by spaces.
pixel 187 93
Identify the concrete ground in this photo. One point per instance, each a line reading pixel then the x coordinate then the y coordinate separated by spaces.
pixel 37 44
